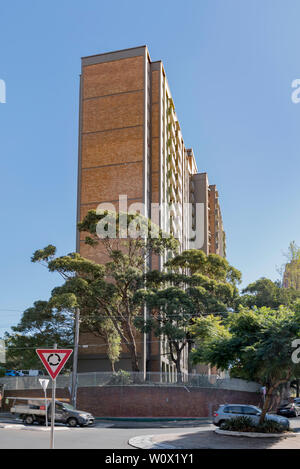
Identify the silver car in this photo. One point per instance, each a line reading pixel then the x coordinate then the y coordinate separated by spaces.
pixel 229 411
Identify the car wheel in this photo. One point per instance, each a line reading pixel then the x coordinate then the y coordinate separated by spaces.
pixel 29 420
pixel 72 422
pixel 221 423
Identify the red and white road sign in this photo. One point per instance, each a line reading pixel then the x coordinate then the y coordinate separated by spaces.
pixel 54 359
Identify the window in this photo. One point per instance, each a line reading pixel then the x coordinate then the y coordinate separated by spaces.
pixel 234 409
pixel 247 410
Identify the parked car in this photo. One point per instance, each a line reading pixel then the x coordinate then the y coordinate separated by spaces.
pixel 229 411
pixel 289 410
pixel 297 400
pixel 30 373
pixel 11 373
pixel 34 411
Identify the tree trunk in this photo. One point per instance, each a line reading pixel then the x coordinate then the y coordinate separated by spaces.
pixel 190 346
pixel 134 363
pixel 266 405
pixel 178 369
pixel 134 358
pixel 132 348
pixel 269 396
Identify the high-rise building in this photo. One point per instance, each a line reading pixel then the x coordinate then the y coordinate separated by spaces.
pixel 131 144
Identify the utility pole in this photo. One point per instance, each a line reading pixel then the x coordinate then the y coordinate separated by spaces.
pixel 75 358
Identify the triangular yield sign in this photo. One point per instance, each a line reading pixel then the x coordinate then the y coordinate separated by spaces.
pixel 54 359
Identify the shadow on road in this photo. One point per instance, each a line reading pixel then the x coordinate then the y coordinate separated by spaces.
pixel 210 440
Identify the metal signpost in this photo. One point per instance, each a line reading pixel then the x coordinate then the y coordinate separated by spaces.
pixel 54 361
pixel 44 383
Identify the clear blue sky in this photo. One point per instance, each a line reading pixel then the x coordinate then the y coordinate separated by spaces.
pixel 230 64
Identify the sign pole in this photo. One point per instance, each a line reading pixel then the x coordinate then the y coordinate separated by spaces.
pixel 44 383
pixel 53 409
pixel 46 407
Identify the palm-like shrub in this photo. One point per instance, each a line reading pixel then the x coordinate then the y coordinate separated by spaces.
pixel 245 424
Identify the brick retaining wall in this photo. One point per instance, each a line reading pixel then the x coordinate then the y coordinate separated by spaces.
pixel 149 401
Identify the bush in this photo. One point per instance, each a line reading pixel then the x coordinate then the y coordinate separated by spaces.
pixel 238 424
pixel 245 424
pixel 121 377
pixel 270 426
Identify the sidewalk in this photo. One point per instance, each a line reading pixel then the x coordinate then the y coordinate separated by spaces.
pixel 208 439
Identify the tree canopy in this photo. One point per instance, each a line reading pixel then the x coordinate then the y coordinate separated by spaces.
pixel 40 326
pixel 106 293
pixel 194 285
pixel 257 346
pixel 265 292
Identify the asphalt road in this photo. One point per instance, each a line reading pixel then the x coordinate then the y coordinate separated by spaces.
pixel 98 437
pixel 80 438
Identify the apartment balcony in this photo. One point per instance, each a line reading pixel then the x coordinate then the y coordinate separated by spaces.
pixel 172 178
pixel 178 156
pixel 178 195
pixel 172 193
pixel 171 210
pixel 171 131
pixel 179 180
pixel 171 116
pixel 172 162
pixel 171 146
pixel 171 103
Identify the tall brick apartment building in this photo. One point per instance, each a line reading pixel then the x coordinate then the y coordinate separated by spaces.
pixel 130 143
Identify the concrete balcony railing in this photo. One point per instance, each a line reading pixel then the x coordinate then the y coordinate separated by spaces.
pixel 171 131
pixel 171 146
pixel 172 194
pixel 171 162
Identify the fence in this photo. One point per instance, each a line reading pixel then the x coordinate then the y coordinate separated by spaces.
pixel 124 378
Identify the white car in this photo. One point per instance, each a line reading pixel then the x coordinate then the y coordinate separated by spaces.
pixel 229 411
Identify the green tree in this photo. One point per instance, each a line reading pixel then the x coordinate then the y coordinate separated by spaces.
pixel 40 326
pixel 194 285
pixel 257 346
pixel 264 292
pixel 105 293
pixel 171 309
